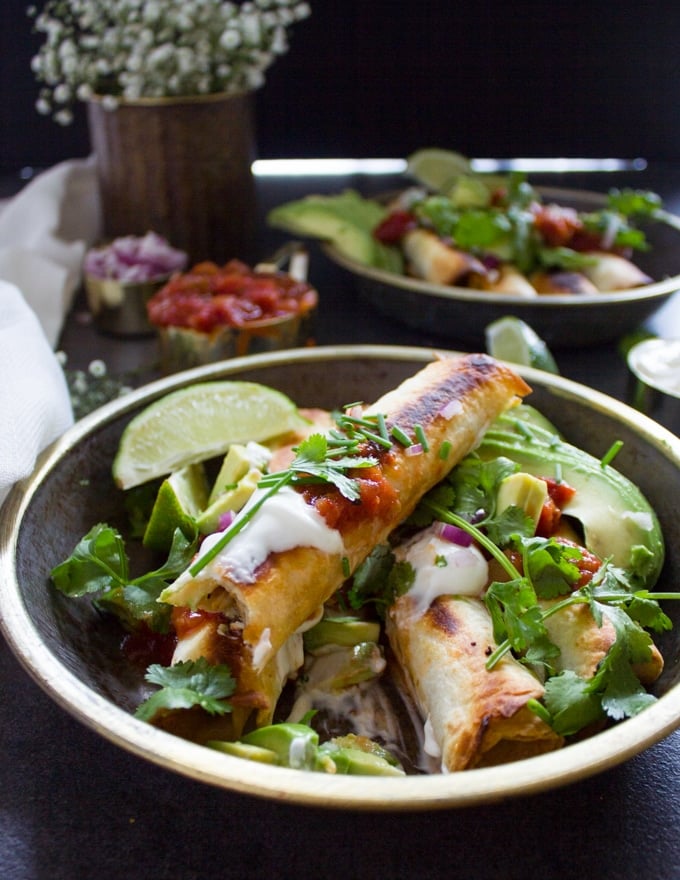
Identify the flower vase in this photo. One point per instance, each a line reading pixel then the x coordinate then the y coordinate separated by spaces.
pixel 180 167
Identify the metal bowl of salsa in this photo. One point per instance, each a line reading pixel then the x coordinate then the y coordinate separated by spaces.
pixel 212 313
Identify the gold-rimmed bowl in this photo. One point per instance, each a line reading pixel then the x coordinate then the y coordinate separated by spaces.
pixel 460 314
pixel 75 656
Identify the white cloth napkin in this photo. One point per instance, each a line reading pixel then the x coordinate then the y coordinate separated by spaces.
pixel 45 232
pixel 34 399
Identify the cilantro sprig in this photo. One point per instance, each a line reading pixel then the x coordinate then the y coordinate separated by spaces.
pixel 320 459
pixel 518 618
pixel 99 566
pixel 317 460
pixel 187 684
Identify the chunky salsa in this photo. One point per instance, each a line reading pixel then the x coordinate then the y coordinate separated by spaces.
pixel 209 296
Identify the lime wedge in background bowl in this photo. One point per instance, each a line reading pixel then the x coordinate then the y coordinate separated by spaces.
pixel 436 168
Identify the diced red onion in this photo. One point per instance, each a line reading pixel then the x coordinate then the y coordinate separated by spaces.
pixel 134 259
pixel 414 449
pixel 454 534
pixel 452 408
pixel 225 520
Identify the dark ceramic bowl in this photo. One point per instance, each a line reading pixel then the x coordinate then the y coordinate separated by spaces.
pixel 75 657
pixel 562 320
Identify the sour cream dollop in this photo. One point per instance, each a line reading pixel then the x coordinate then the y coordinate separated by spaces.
pixel 284 521
pixel 442 568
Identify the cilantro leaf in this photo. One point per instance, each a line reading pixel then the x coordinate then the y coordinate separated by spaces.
pixel 99 566
pixel 648 614
pixel 510 525
pixel 515 613
pixel 476 482
pixel 620 690
pixel 622 695
pixel 379 580
pixel 98 561
pixel 185 685
pixel 551 566
pixel 316 461
pixel 634 201
pixel 570 703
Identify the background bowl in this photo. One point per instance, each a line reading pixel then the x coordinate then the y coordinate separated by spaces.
pixel 562 320
pixel 74 654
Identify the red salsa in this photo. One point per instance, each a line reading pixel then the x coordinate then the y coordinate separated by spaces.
pixel 234 295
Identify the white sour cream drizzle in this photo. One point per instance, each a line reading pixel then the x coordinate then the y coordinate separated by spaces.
pixel 283 522
pixel 442 568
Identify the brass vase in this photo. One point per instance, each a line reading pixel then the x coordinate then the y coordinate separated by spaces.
pixel 180 167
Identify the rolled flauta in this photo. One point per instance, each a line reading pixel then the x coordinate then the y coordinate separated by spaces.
pixel 273 578
pixel 431 259
pixel 583 643
pixel 474 717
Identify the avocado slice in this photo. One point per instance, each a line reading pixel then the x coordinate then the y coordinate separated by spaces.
pixel 245 750
pixel 342 631
pixel 617 520
pixel 356 762
pixel 295 745
pixel 346 220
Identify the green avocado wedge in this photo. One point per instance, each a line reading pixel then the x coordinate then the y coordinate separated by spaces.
pixel 346 220
pixel 617 520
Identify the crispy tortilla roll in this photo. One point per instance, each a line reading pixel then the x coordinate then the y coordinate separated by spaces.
pixel 272 579
pixel 613 272
pixel 433 260
pixel 476 717
pixel 583 644
pixel 506 279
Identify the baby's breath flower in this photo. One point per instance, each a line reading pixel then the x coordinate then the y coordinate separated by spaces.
pixel 63 117
pixel 155 48
pixel 91 388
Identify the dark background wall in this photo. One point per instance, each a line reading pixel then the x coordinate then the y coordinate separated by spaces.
pixel 381 78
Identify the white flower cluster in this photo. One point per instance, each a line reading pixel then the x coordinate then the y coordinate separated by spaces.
pixel 128 49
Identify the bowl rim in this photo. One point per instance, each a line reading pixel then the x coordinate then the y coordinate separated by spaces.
pixel 657 289
pixel 413 793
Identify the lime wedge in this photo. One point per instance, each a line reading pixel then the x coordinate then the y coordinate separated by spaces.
pixel 197 423
pixel 435 168
pixel 511 339
pixel 180 501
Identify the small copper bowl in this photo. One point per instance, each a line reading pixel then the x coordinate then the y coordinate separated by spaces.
pixel 119 307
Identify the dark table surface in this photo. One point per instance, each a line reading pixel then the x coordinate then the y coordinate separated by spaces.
pixel 74 806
